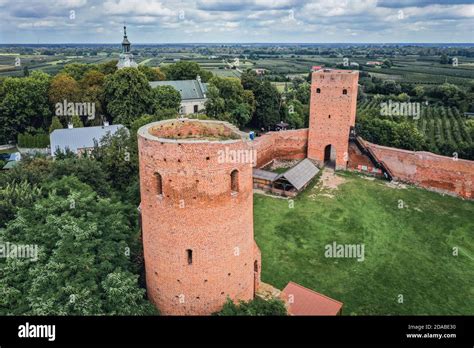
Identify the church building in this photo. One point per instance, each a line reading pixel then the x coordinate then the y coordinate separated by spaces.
pixel 126 57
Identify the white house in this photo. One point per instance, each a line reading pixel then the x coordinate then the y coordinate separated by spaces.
pixel 193 94
pixel 79 140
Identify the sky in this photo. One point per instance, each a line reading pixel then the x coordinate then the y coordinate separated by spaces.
pixel 231 21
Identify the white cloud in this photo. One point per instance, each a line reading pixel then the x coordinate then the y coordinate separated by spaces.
pixel 227 20
pixel 138 7
pixel 37 24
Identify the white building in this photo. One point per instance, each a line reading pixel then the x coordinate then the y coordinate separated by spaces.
pixel 80 140
pixel 193 94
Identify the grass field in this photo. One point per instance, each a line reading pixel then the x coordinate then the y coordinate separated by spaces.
pixel 408 251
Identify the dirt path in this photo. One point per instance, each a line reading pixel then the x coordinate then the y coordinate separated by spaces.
pixel 329 179
pixel 328 182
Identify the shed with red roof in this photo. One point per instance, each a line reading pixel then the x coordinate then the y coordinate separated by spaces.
pixel 304 301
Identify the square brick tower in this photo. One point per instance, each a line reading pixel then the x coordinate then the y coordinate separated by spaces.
pixel 332 115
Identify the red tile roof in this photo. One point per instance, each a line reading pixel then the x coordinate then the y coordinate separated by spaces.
pixel 304 301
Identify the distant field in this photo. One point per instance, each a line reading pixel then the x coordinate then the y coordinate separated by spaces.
pixel 280 85
pixel 420 70
pixel 225 72
pixel 424 70
pixel 408 252
pixel 49 64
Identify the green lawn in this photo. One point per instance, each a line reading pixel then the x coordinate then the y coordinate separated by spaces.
pixel 408 251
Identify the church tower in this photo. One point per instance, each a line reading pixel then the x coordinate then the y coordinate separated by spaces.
pixel 126 58
pixel 332 115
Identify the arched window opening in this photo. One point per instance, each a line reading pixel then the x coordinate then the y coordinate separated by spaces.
pixel 159 183
pixel 234 181
pixel 318 90
pixel 344 91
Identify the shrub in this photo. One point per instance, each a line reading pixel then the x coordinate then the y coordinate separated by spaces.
pixel 255 307
pixel 33 141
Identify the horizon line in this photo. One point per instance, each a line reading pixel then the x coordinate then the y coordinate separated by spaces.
pixel 235 43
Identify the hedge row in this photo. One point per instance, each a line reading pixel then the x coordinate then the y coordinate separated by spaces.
pixel 33 141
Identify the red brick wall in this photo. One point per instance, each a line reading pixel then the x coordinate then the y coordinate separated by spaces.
pixel 332 113
pixel 435 172
pixel 287 145
pixel 196 211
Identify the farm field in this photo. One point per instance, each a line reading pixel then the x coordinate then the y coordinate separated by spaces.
pixel 442 126
pixel 48 64
pixel 408 252
pixel 424 70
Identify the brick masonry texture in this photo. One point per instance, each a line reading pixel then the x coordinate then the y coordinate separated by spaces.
pixel 198 211
pixel 425 169
pixel 332 113
pixel 283 145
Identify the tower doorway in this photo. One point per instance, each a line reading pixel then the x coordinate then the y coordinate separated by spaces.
pixel 330 156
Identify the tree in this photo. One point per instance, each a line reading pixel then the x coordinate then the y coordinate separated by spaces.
pixel 92 90
pixel 241 114
pixel 303 92
pixel 267 112
pixel 64 88
pixel 63 281
pixel 257 306
pixel 449 94
pixel 267 100
pixel 108 68
pixel 166 97
pixel 77 70
pixel 249 99
pixel 409 137
pixel 16 195
pixel 390 87
pixel 152 74
pixel 444 59
pixel 92 78
pixel 419 92
pixel 186 70
pixel 294 114
pixel 55 124
pixel 249 80
pixel 23 104
pixel 127 95
pixel 122 295
pixel 76 121
pixel 387 63
pixel 403 97
pixel 403 135
pixel 118 158
pixel 227 100
pixel 215 104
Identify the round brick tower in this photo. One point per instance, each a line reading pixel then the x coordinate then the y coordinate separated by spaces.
pixel 197 215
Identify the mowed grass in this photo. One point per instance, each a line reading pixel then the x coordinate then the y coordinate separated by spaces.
pixel 408 251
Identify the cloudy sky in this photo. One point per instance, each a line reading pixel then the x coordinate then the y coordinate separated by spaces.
pixel 181 21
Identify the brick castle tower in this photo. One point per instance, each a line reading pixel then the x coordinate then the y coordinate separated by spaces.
pixel 196 216
pixel 332 115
